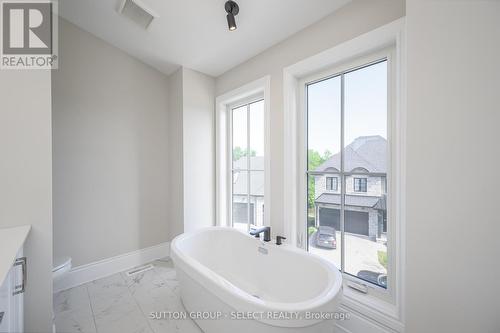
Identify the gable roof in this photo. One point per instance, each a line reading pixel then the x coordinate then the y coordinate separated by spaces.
pixel 366 152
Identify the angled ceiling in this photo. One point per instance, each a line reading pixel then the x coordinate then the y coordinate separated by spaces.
pixel 194 33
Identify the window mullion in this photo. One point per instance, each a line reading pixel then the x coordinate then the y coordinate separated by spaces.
pixel 342 177
pixel 230 198
pixel 248 167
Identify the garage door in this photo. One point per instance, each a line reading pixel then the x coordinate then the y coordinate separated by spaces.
pixel 329 217
pixel 356 222
pixel 240 212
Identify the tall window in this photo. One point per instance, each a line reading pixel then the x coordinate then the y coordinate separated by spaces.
pixel 347 137
pixel 247 149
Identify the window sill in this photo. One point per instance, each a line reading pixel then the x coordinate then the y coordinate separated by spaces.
pixel 382 312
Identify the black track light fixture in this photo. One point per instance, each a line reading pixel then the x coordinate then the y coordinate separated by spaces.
pixel 232 10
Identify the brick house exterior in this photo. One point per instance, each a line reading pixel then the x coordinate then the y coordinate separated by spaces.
pixel 365 201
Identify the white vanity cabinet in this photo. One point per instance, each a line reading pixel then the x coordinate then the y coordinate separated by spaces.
pixel 13 276
pixel 11 297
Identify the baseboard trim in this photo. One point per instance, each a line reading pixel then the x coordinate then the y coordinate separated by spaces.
pixel 109 266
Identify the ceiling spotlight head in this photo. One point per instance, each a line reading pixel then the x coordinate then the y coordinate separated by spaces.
pixel 232 10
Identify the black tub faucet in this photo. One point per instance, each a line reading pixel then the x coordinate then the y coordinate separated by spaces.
pixel 279 240
pixel 265 230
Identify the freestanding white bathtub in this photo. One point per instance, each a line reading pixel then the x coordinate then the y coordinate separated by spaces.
pixel 232 282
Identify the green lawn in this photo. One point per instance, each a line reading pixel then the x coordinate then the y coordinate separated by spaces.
pixel 382 258
pixel 311 230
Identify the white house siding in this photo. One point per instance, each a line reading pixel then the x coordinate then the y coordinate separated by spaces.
pixel 374 185
pixel 320 185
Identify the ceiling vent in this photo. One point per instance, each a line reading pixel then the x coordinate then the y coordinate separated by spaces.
pixel 138 12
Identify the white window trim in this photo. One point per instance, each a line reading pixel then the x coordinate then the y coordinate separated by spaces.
pixel 388 313
pixel 258 89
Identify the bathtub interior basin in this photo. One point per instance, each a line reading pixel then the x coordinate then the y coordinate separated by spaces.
pixel 250 274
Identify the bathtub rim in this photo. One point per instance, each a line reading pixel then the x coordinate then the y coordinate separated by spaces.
pixel 190 265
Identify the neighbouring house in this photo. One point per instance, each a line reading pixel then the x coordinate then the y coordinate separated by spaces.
pixel 248 188
pixel 365 165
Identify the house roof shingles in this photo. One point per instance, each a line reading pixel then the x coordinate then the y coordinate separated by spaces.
pixel 366 152
pixel 352 200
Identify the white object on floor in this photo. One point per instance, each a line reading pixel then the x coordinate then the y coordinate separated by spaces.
pixel 222 270
pixel 61 266
pixel 138 270
pixel 109 266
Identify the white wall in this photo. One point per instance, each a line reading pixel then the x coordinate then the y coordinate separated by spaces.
pixel 26 181
pixel 110 140
pixel 198 149
pixel 176 156
pixel 453 224
pixel 192 147
pixel 354 19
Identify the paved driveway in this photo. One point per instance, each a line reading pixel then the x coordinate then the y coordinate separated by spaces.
pixel 361 253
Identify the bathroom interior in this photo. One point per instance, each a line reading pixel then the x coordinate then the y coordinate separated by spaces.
pixel 253 166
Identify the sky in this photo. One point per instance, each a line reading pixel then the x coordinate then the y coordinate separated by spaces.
pixel 365 112
pixel 365 108
pixel 256 127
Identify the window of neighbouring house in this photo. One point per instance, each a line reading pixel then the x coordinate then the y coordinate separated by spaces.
pixel 247 156
pixel 332 183
pixel 360 184
pixel 347 125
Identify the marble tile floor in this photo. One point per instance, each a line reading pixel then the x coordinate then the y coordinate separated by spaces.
pixel 122 304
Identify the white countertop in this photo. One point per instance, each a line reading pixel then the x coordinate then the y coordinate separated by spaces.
pixel 11 240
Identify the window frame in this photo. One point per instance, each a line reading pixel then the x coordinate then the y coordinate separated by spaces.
pixel 386 295
pixel 230 108
pixel 332 188
pixel 385 314
pixel 362 180
pixel 246 94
